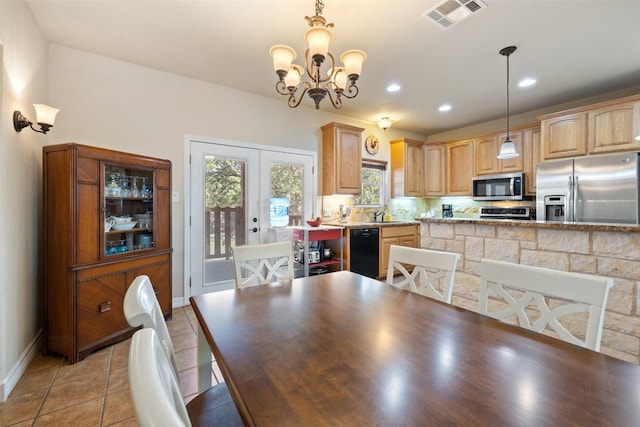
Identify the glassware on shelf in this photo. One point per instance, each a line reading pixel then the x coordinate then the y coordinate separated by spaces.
pixel 125 189
pixel 135 191
pixel 145 191
pixel 113 189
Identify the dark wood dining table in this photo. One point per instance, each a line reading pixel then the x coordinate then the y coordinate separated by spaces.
pixel 341 349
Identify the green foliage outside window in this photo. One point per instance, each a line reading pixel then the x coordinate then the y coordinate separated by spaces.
pixel 372 190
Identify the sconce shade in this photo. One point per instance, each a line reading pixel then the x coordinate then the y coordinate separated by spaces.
pixel 340 78
pixel 45 117
pixel 45 114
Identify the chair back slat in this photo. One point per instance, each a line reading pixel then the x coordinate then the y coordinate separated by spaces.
pixel 423 271
pixel 262 264
pixel 541 298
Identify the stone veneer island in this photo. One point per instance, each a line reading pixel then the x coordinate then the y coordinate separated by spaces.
pixel 604 249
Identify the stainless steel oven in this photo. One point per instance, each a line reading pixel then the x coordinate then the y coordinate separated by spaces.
pixel 498 187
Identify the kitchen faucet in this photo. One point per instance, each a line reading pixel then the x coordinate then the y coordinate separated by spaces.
pixel 378 214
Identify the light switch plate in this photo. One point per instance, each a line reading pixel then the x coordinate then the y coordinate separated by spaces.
pixel 175 197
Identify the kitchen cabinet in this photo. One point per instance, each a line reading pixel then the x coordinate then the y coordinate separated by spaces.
pixel 459 168
pixel 435 166
pixel 404 235
pixel 486 151
pixel 485 155
pixel 613 127
pixel 406 168
pixel 341 159
pixel 87 266
pixel 531 157
pixel 308 239
pixel 564 136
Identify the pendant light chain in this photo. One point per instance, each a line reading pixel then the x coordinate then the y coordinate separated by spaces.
pixel 508 97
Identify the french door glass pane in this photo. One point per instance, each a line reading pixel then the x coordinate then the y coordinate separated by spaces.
pixel 224 215
pixel 286 200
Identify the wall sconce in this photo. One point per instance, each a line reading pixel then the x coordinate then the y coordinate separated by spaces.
pixel 385 123
pixel 45 117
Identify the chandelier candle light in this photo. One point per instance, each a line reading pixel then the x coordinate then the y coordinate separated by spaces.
pixel 508 148
pixel 337 82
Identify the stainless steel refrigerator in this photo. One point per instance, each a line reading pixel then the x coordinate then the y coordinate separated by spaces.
pixel 601 188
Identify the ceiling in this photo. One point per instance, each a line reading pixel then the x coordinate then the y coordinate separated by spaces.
pixel 575 49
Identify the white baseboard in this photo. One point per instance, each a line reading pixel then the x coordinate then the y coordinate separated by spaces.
pixel 7 385
pixel 179 302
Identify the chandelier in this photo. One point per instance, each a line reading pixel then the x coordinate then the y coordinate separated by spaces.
pixel 336 82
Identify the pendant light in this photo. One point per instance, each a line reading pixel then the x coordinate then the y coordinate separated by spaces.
pixel 508 149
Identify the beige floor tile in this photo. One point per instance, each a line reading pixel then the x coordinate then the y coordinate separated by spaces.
pixel 21 407
pixel 178 314
pixel 187 358
pixel 75 390
pixel 84 414
pixel 27 423
pixel 189 381
pixel 89 367
pixel 179 327
pixel 118 380
pixel 41 361
pixel 184 341
pixel 120 355
pixel 131 422
pixel 118 407
pixel 33 380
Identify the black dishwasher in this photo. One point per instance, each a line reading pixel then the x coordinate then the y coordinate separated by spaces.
pixel 363 251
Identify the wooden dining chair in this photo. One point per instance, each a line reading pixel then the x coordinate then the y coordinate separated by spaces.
pixel 141 308
pixel 262 264
pixel 156 394
pixel 571 304
pixel 423 271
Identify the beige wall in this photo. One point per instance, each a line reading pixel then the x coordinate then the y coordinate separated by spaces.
pixel 24 82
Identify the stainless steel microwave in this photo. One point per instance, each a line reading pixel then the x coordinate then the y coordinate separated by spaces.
pixel 508 186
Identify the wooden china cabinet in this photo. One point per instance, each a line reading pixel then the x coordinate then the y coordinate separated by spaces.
pixel 87 266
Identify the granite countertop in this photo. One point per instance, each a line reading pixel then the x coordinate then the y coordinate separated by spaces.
pixel 586 226
pixel 372 224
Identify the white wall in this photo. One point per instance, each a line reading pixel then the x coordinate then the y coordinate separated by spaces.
pixel 117 105
pixel 24 82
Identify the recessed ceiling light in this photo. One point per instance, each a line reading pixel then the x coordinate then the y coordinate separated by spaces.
pixel 444 107
pixel 393 87
pixel 527 82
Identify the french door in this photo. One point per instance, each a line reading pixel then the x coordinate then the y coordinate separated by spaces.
pixel 242 195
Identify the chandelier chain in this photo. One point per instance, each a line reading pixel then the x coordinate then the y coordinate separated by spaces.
pixel 319 7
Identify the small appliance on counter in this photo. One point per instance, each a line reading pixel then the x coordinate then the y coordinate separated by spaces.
pixel 447 211
pixel 516 212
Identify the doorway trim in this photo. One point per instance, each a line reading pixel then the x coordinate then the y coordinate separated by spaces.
pixel 186 200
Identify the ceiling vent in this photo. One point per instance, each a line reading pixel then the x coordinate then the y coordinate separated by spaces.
pixel 448 13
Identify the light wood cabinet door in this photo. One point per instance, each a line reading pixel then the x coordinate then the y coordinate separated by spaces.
pixel 396 235
pixel 614 128
pixel 406 168
pixel 564 136
pixel 517 163
pixel 435 165
pixel 485 155
pixel 531 154
pixel 341 159
pixel 459 168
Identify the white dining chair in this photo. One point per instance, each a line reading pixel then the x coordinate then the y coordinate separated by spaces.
pixel 571 304
pixel 263 263
pixel 156 395
pixel 423 271
pixel 141 308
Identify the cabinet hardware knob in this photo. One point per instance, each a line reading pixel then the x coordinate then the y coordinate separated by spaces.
pixel 105 306
pixel 156 290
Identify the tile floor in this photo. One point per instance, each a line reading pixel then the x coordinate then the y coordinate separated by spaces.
pixel 95 391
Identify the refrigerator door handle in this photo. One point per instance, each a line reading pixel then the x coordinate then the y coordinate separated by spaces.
pixel 575 199
pixel 568 207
